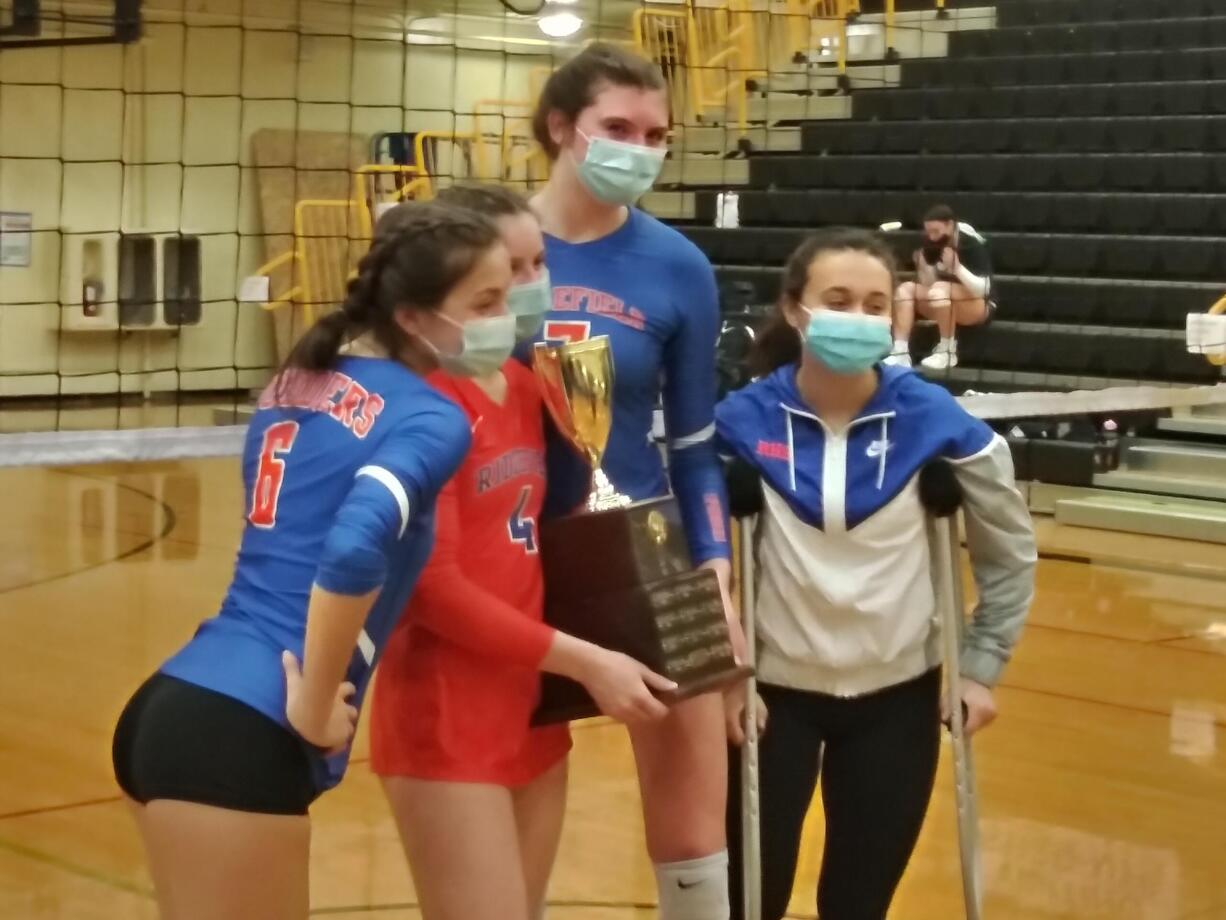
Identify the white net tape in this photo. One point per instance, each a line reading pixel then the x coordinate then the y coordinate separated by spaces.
pixel 62 448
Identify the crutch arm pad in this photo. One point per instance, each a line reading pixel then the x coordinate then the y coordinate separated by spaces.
pixel 744 488
pixel 939 491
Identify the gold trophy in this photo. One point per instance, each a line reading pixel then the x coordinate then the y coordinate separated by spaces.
pixel 576 382
pixel 618 573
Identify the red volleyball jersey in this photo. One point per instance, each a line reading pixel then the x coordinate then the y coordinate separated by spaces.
pixel 489 523
pixel 460 676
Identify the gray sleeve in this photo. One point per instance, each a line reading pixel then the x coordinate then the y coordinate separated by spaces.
pixel 1000 540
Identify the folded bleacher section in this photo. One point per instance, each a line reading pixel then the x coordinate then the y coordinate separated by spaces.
pixel 1080 136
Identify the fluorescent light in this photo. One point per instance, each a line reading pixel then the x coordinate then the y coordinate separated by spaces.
pixel 560 25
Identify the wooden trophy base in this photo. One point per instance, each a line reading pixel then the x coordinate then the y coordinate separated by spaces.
pixel 622 579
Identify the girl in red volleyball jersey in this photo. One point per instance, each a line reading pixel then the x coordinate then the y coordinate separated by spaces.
pixel 479 795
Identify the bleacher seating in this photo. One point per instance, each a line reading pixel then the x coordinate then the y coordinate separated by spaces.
pixel 1084 138
pixel 1023 212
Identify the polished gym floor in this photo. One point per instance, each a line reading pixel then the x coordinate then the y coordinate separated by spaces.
pixel 1102 787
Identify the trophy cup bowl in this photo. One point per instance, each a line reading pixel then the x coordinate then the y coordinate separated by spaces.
pixel 576 383
pixel 618 573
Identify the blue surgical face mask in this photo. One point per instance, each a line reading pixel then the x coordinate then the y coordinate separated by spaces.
pixel 619 173
pixel 487 344
pixel 847 343
pixel 528 303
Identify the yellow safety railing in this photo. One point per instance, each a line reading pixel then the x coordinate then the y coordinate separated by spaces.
pixel 663 37
pixel 412 182
pixel 707 56
pixel 711 55
pixel 520 158
pixel 725 55
pixel 470 142
pixel 329 236
pixel 319 261
pixel 831 16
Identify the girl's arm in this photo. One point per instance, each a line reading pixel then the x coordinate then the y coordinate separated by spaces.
pixel 450 605
pixel 689 415
pixel 405 473
pixel 1001 543
pixel 447 603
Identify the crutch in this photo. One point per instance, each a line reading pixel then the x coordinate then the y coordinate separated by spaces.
pixel 751 843
pixel 944 540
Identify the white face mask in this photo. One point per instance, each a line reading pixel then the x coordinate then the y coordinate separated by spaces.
pixel 486 345
pixel 528 303
pixel 616 172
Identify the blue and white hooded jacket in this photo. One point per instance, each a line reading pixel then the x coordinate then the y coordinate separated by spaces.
pixel 846 604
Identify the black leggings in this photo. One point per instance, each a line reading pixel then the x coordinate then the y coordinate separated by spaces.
pixel 877 756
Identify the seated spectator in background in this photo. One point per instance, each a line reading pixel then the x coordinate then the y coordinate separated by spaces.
pixel 953 284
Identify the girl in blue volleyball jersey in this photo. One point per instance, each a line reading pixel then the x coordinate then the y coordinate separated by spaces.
pixel 603 120
pixel 222 751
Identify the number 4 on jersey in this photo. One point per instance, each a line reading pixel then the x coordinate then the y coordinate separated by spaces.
pixel 522 530
pixel 278 439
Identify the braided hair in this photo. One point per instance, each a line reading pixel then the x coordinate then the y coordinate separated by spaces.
pixel 418 254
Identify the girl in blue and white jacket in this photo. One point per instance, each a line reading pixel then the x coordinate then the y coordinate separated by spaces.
pixel 848 660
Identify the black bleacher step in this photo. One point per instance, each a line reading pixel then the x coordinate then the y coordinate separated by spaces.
pixel 1066 69
pixel 1054 301
pixel 1054 254
pixel 1166 336
pixel 1145 304
pixel 1092 134
pixel 1131 35
pixel 1039 12
pixel 1168 172
pixel 1122 100
pixel 1082 350
pixel 1139 214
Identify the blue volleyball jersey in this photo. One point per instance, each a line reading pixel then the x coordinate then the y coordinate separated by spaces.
pixel 341 470
pixel 653 293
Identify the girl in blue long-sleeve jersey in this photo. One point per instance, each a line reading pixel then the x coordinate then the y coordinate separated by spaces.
pixel 221 752
pixel 603 120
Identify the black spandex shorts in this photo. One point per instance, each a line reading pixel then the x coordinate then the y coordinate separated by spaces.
pixel 178 741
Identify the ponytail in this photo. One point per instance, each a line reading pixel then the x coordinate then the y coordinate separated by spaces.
pixel 319 346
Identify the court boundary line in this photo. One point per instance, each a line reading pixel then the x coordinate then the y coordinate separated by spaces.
pixel 578 903
pixel 76 869
pixel 171 521
pixel 1155 643
pixel 63 806
pixel 1074 698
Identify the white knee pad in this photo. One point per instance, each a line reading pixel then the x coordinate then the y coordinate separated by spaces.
pixel 694 889
pixel 940 295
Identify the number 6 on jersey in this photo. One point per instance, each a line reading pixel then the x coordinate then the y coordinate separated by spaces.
pixel 278 439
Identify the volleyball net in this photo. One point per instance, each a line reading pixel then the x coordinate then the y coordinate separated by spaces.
pixel 183 193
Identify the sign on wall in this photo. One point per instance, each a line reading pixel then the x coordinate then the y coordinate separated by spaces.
pixel 16 238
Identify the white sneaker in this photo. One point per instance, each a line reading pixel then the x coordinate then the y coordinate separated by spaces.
pixel 941 361
pixel 898 359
